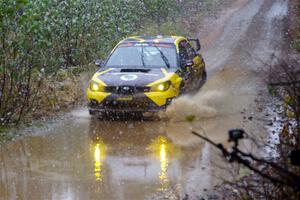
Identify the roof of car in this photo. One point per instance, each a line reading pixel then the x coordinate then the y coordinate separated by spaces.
pixel 156 39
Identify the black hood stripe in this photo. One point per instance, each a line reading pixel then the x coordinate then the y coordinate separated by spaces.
pixel 113 77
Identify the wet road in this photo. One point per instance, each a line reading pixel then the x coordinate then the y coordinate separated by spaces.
pixel 81 158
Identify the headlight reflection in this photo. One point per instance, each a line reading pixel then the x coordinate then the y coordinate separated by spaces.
pixel 161 149
pixel 99 156
pixel 163 163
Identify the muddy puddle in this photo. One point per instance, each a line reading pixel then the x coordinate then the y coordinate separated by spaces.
pixel 91 159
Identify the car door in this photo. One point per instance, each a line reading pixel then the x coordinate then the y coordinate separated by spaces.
pixel 187 72
pixel 198 65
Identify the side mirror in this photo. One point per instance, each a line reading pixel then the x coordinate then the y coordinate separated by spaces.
pixel 197 42
pixel 99 63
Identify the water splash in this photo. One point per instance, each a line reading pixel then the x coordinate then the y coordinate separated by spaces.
pixel 205 104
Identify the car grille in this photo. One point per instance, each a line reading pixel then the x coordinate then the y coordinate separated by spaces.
pixel 121 105
pixel 126 90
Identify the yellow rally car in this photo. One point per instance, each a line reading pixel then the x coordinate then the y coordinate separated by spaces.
pixel 144 74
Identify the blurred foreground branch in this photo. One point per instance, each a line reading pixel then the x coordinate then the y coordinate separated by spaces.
pixel 276 174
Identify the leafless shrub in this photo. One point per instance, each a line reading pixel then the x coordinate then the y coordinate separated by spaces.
pixel 270 178
pixel 284 83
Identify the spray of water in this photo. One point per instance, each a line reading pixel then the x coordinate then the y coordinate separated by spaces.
pixel 205 104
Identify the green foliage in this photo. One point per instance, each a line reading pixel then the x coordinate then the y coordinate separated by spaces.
pixel 73 32
pixel 166 28
pixel 44 37
pixel 296 39
pixel 296 45
pixel 272 90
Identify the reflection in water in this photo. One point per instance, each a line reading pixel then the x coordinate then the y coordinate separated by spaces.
pixel 161 149
pixel 99 156
pixel 97 165
pixel 163 165
pixel 134 158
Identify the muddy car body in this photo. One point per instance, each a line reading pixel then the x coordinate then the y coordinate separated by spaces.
pixel 144 74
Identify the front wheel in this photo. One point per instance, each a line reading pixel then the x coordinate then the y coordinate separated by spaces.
pixel 96 114
pixel 92 112
pixel 182 89
pixel 204 76
pixel 203 79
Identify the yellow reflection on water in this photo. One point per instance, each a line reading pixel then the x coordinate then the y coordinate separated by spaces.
pixel 162 149
pixel 163 163
pixel 99 156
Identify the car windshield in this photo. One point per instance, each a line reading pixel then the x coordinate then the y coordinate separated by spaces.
pixel 143 55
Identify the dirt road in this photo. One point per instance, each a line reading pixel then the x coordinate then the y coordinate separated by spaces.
pixel 81 158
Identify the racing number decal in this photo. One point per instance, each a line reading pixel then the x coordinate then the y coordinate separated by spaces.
pixel 129 77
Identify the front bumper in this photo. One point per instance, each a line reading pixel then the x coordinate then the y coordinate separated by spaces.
pixel 132 103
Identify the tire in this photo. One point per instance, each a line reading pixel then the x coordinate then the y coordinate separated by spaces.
pixel 204 77
pixel 182 89
pixel 96 114
pixel 92 112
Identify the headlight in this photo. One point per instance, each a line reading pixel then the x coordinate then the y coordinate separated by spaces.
pixel 161 87
pixel 94 86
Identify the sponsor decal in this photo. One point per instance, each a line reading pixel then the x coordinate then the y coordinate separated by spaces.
pixel 128 77
pixel 124 99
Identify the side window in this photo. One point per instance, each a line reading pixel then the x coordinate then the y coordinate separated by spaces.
pixel 190 51
pixel 183 54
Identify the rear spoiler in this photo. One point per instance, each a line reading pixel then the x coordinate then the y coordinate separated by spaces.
pixel 197 41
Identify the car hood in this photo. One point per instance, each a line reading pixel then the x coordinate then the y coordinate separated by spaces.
pixel 131 77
